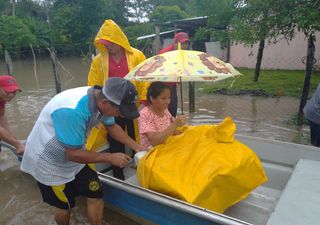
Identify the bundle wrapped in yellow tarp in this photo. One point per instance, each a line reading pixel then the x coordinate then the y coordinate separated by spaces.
pixel 204 166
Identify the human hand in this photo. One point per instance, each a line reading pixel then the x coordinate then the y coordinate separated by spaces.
pixel 120 159
pixel 20 149
pixel 177 132
pixel 141 148
pixel 181 120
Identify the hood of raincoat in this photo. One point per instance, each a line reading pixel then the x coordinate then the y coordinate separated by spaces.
pixel 110 31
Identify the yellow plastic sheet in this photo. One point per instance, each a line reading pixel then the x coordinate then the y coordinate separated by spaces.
pixel 204 166
pixel 97 138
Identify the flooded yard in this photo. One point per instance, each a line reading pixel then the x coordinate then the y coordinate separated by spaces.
pixel 20 200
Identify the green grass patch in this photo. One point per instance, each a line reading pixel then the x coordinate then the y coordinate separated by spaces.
pixel 271 82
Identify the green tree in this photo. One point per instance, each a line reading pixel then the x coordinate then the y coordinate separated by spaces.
pixel 116 10
pixel 167 13
pixel 134 30
pixel 75 22
pixel 15 35
pixel 138 10
pixel 5 7
pixel 306 18
pixel 183 5
pixel 261 21
pixel 40 30
pixel 29 8
pixel 220 15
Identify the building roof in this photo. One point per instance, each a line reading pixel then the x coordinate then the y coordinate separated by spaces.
pixel 189 25
pixel 161 34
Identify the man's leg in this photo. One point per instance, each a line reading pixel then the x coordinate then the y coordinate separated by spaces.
pixel 62 216
pixel 87 183
pixel 95 210
pixel 62 197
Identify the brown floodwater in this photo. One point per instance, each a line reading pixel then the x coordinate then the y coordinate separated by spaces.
pixel 20 200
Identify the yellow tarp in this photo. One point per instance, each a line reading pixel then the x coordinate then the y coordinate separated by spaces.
pixel 204 166
pixel 97 138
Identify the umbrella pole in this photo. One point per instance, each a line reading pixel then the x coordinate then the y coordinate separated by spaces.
pixel 181 98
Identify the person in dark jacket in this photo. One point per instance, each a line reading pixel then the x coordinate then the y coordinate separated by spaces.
pixel 312 113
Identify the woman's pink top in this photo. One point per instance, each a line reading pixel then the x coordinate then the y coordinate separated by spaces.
pixel 151 122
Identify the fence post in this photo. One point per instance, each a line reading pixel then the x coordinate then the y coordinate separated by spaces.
pixel 157 40
pixel 9 63
pixel 55 70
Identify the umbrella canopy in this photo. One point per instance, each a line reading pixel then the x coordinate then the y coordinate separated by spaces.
pixel 182 65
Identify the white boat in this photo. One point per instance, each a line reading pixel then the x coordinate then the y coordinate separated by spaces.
pixel 290 197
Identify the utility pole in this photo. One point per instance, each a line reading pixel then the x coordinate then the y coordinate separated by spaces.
pixel 157 40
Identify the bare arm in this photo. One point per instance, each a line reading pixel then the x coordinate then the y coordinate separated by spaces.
pixel 117 133
pixel 7 136
pixel 156 138
pixel 82 156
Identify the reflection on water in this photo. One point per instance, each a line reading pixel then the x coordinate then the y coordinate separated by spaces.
pixel 20 201
pixel 38 90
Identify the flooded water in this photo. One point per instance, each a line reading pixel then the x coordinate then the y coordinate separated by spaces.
pixel 20 200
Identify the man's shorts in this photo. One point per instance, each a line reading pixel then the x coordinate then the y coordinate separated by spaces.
pixel 86 183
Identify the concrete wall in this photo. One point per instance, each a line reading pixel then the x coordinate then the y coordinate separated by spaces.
pixel 214 48
pixel 282 55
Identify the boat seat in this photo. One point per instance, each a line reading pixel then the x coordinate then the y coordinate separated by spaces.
pixel 299 202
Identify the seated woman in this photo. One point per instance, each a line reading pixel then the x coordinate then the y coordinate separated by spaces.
pixel 156 123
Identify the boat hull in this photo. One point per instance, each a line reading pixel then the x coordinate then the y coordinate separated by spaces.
pixel 158 208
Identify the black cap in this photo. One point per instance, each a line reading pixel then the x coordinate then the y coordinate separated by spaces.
pixel 121 92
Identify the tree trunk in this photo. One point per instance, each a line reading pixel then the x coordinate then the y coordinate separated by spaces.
pixel 228 51
pixel 307 78
pixel 259 60
pixel 13 7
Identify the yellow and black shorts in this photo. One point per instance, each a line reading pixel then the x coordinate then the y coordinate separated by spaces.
pixel 86 183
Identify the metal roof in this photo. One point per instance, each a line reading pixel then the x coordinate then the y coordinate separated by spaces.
pixel 187 24
pixel 153 35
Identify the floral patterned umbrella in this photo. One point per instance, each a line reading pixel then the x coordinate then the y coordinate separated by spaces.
pixel 182 65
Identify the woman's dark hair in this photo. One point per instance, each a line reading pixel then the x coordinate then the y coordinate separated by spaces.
pixel 155 89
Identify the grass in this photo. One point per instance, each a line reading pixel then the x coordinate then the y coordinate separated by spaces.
pixel 271 82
